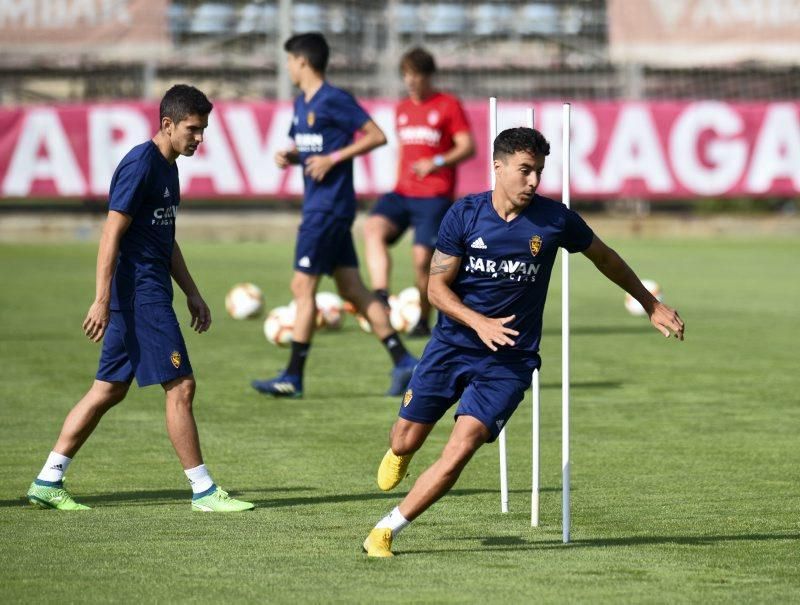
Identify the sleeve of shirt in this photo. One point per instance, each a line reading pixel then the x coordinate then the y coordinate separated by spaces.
pixel 127 188
pixel 451 233
pixel 458 121
pixel 577 235
pixel 291 125
pixel 349 115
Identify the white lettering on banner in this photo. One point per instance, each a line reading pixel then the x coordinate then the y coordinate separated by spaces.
pixel 383 160
pixel 777 149
pixel 256 156
pixel 42 129
pixel 60 14
pixel 105 149
pixel 727 157
pixel 584 141
pixel 214 161
pixel 635 153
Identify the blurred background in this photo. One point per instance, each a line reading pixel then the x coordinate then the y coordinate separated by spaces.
pixel 686 105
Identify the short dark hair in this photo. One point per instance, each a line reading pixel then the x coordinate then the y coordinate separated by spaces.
pixel 513 140
pixel 182 101
pixel 419 61
pixel 312 46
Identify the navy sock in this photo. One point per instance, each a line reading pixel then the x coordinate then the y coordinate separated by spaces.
pixel 297 361
pixel 395 347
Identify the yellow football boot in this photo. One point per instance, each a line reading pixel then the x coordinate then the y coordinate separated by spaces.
pixel 379 543
pixel 392 470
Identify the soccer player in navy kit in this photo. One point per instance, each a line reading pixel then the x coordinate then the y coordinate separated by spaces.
pixel 324 124
pixel 132 311
pixel 489 278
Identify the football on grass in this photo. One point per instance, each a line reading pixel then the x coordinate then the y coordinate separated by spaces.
pixel 632 305
pixel 244 301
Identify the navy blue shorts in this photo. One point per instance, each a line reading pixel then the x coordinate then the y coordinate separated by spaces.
pixel 489 385
pixel 425 214
pixel 145 342
pixel 324 242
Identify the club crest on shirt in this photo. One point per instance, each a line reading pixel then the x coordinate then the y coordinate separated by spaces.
pixel 407 397
pixel 175 358
pixel 311 118
pixel 536 244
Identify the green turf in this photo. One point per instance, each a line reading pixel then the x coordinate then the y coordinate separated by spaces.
pixel 685 462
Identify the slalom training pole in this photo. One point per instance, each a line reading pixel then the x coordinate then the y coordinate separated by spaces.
pixel 565 463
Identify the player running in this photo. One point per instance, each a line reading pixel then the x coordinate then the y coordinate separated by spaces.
pixel 133 307
pixel 325 121
pixel 433 137
pixel 489 278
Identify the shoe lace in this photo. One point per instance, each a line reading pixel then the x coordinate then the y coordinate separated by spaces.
pixel 221 494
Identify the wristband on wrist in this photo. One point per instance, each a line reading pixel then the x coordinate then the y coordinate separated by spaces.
pixel 438 160
pixel 336 156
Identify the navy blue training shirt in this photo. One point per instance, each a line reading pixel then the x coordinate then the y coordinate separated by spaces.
pixel 505 266
pixel 321 126
pixel 144 186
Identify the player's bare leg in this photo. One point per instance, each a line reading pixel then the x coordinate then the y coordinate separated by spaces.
pixel 421 257
pixel 304 289
pixel 85 416
pixel 181 427
pixel 182 430
pixel 378 232
pixel 350 286
pixel 468 435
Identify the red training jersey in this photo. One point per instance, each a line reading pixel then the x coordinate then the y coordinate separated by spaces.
pixel 424 130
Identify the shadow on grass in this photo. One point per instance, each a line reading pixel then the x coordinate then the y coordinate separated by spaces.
pixel 518 544
pixel 333 498
pixel 151 497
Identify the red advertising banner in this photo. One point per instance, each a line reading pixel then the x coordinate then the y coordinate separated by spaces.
pixel 660 150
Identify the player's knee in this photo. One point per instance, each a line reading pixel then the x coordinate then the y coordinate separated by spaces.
pixel 108 394
pixel 181 394
pixel 374 230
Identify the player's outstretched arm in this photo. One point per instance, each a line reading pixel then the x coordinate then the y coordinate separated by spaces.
pixel 201 314
pixel 96 322
pixel 664 318
pixel 317 166
pixel 493 332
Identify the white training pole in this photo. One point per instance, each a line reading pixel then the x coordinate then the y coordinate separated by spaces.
pixel 502 437
pixel 565 335
pixel 535 412
pixel 535 416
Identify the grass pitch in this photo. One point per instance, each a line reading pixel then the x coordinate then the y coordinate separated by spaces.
pixel 685 464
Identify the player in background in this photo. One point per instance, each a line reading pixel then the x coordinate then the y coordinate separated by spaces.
pixel 133 307
pixel 489 279
pixel 433 138
pixel 325 121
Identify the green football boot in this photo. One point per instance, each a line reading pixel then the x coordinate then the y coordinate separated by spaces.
pixel 219 501
pixel 52 496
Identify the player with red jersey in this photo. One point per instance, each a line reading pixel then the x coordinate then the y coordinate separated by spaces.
pixel 433 137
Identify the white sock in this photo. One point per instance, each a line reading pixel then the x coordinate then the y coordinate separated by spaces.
pixel 199 479
pixel 55 467
pixel 394 521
